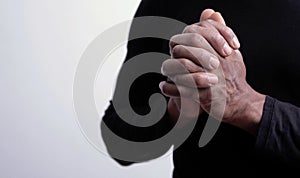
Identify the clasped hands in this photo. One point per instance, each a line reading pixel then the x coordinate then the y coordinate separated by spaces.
pixel 202 49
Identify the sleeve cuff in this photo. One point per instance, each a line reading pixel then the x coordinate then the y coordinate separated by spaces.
pixel 265 124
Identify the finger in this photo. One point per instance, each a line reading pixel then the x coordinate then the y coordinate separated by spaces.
pixel 226 32
pixel 217 39
pixel 169 90
pixel 192 39
pixel 172 67
pixel 189 109
pixel 173 91
pixel 205 98
pixel 217 17
pixel 196 80
pixel 206 14
pixel 198 55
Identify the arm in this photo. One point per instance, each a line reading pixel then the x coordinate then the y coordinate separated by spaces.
pixel 279 131
pixel 140 92
pixel 275 124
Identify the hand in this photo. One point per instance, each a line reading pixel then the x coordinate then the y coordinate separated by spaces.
pixel 243 104
pixel 175 103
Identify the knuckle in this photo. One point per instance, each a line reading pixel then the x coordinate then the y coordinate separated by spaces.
pixel 190 29
pixel 187 65
pixel 196 39
pixel 205 23
pixel 201 54
pixel 181 65
pixel 187 29
pixel 218 39
pixel 223 28
pixel 184 62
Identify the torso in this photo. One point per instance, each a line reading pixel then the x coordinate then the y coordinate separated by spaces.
pixel 269 32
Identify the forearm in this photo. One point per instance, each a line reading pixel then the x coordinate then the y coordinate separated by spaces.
pixel 279 131
pixel 250 114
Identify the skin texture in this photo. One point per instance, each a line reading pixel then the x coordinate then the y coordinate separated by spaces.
pixel 201 49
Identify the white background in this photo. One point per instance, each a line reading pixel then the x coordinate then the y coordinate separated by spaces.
pixel 41 42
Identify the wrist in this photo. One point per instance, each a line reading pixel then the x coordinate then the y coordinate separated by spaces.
pixel 250 111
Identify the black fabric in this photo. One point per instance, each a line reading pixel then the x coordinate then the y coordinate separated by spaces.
pixel 269 34
pixel 279 133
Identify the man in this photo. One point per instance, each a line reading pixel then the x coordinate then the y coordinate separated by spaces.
pixel 259 135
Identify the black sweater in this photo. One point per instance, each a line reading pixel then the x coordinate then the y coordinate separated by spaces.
pixel 269 32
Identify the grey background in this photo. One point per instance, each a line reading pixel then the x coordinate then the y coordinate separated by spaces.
pixel 41 42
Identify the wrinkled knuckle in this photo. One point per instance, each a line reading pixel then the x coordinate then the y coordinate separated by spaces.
pixel 187 66
pixel 223 28
pixel 187 29
pixel 201 54
pixel 191 29
pixel 218 40
pixel 201 24
pixel 205 23
pixel 184 63
pixel 196 39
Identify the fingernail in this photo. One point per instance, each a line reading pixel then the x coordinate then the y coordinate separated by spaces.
pixel 212 79
pixel 161 85
pixel 236 42
pixel 227 49
pixel 214 63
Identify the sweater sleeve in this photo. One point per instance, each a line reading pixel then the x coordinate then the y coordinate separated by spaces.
pixel 140 91
pixel 279 132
